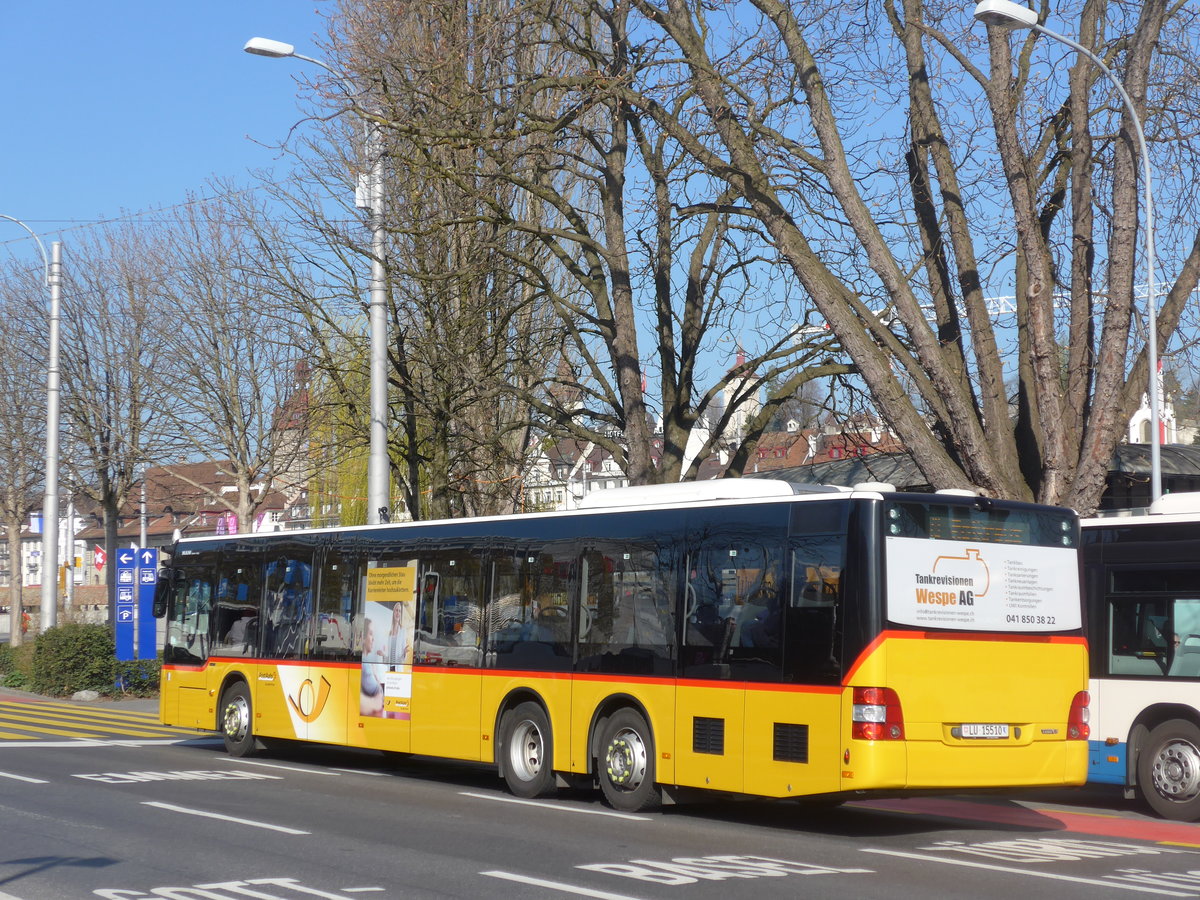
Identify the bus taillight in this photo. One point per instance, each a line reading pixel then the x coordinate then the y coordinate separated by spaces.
pixel 1077 720
pixel 877 715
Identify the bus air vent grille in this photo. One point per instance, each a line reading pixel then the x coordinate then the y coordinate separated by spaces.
pixel 708 735
pixel 791 743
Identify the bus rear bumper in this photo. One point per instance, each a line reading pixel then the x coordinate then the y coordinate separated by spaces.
pixel 1039 764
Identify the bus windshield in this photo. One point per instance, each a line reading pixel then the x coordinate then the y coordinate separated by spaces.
pixel 975 567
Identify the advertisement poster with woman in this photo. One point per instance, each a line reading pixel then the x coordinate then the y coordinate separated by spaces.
pixel 389 623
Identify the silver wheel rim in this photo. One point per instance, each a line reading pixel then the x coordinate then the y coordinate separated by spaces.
pixel 625 760
pixel 1176 771
pixel 237 718
pixel 526 751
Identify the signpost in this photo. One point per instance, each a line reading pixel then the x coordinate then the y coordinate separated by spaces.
pixel 137 572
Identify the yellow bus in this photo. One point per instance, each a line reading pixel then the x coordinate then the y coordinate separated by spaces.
pixel 745 636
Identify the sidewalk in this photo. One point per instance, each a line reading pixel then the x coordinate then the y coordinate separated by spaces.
pixel 128 704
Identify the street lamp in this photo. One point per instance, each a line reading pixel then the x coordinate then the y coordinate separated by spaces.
pixel 369 196
pixel 1006 14
pixel 52 278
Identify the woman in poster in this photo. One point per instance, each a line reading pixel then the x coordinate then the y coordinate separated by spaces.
pixel 399 639
pixel 371 694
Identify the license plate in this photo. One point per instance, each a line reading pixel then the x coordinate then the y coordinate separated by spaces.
pixel 985 730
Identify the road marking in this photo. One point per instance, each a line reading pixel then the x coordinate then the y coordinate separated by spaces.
pixel 1042 819
pixel 558 886
pixel 93 742
pixel 22 778
pixel 557 806
pixel 266 765
pixel 1015 871
pixel 212 815
pixel 93 712
pixel 13 736
pixel 361 772
pixel 41 725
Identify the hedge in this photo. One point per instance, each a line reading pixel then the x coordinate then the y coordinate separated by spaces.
pixel 74 658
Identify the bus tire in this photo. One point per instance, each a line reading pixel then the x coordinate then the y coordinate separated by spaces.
pixel 528 751
pixel 626 763
pixel 237 720
pixel 1168 770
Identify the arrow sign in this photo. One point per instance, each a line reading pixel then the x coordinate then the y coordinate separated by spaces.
pixel 137 572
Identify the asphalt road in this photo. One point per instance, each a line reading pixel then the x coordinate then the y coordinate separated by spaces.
pixel 153 815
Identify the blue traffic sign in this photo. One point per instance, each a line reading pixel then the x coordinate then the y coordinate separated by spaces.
pixel 137 574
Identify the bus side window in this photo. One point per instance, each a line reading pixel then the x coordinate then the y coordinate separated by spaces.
pixel 449 614
pixel 1140 636
pixel 288 606
pixel 1185 650
pixel 529 613
pixel 335 603
pixel 813 645
pixel 630 603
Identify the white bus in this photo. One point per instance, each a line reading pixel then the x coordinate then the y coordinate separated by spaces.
pixel 1142 589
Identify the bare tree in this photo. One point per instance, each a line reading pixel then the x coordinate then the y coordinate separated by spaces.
pixel 22 419
pixel 239 383
pixel 901 212
pixel 113 398
pixel 469 340
pixel 518 108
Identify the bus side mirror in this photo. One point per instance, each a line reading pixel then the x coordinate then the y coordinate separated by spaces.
pixel 162 592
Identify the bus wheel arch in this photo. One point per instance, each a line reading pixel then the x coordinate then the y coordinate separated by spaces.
pixel 1139 733
pixel 1168 770
pixel 625 756
pixel 525 745
pixel 235 718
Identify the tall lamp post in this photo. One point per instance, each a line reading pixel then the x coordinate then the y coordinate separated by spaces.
pixel 369 196
pixel 1006 14
pixel 52 278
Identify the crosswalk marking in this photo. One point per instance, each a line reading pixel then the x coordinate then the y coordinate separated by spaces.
pixel 24 721
pixel 96 712
pixel 86 718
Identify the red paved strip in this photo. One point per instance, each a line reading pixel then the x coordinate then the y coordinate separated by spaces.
pixel 1044 819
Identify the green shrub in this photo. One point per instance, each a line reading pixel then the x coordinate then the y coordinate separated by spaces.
pixel 16 665
pixel 74 658
pixel 138 677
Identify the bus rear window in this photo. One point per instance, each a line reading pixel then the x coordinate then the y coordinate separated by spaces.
pixel 982 567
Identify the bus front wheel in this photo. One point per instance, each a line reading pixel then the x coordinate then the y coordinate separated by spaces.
pixel 626 765
pixel 527 749
pixel 236 721
pixel 1168 769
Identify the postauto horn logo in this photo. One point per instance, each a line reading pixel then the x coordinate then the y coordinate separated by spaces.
pixel 309 700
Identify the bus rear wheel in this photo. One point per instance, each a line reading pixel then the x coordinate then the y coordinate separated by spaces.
pixel 527 750
pixel 626 764
pixel 1168 770
pixel 237 723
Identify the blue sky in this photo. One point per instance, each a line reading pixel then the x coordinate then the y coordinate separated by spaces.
pixel 128 105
